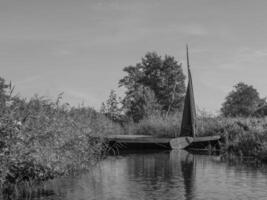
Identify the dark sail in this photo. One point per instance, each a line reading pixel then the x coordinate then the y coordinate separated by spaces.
pixel 188 126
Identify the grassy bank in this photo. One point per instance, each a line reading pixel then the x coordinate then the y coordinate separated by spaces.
pixel 243 136
pixel 41 139
pixel 157 125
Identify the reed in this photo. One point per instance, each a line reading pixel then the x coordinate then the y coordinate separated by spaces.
pixel 41 139
pixel 157 125
pixel 244 136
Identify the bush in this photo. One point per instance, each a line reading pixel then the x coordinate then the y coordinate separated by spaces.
pixel 245 136
pixel 41 139
pixel 157 125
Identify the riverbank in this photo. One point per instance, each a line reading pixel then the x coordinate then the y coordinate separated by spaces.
pixel 41 139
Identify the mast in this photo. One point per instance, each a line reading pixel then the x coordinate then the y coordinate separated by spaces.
pixel 187 58
pixel 188 126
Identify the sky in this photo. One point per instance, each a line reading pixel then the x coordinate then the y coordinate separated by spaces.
pixel 80 47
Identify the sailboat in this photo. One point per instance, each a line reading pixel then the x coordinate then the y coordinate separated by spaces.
pixel 188 124
pixel 187 138
pixel 187 135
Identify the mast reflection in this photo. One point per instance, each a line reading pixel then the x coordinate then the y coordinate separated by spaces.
pixel 186 162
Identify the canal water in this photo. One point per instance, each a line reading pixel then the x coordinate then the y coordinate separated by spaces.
pixel 164 175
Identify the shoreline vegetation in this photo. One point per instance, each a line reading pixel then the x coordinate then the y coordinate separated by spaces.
pixel 42 139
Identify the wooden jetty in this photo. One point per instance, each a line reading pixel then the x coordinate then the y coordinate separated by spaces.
pixel 140 142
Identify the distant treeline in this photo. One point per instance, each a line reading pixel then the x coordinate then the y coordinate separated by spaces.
pixel 156 85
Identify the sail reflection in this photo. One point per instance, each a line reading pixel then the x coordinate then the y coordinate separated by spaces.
pixel 187 163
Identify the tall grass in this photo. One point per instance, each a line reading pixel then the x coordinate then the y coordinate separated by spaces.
pixel 41 139
pixel 245 136
pixel 156 125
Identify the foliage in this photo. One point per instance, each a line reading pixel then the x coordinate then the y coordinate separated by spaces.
pixel 244 136
pixel 3 92
pixel 141 103
pixel 157 125
pixel 243 101
pixel 161 76
pixel 41 139
pixel 111 108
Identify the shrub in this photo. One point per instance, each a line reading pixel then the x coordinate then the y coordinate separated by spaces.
pixel 245 136
pixel 157 125
pixel 41 139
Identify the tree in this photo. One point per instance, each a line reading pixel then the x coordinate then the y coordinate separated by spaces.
pixel 162 76
pixel 111 107
pixel 140 103
pixel 4 96
pixel 243 101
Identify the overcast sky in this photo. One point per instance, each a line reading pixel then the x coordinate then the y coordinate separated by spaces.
pixel 80 47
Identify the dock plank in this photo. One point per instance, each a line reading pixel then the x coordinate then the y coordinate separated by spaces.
pixel 206 138
pixel 137 139
pixel 151 139
pixel 148 141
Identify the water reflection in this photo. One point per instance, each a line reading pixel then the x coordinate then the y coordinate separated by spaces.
pixel 165 176
pixel 188 172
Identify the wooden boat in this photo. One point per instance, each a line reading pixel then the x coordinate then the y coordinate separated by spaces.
pixel 188 125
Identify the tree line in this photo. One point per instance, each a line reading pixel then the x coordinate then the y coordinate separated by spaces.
pixel 157 85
